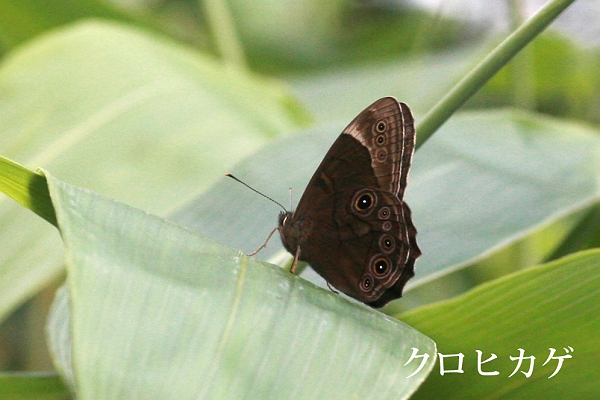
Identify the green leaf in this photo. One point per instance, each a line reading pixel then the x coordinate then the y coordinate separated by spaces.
pixel 128 114
pixel 484 181
pixel 27 188
pixel 585 235
pixel 314 35
pixel 34 386
pixel 564 77
pixel 158 311
pixel 22 20
pixel 418 81
pixel 555 305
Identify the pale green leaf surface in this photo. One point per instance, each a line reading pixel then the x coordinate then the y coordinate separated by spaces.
pixel 125 113
pixel 157 311
pixel 483 181
pixel 555 305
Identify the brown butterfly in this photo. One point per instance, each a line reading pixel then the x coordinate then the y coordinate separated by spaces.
pixel 351 224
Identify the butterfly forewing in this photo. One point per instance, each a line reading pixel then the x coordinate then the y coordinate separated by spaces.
pixel 386 128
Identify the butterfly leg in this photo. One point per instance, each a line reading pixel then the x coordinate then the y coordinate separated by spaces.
pixel 295 263
pixel 262 246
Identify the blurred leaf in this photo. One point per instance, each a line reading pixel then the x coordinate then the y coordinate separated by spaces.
pixel 584 235
pixel 128 114
pixel 485 180
pixel 279 37
pixel 301 29
pixel 550 306
pixel 59 336
pixel 485 70
pixel 34 386
pixel 520 254
pixel 312 35
pixel 158 311
pixel 489 179
pixel 565 76
pixel 22 20
pixel 418 81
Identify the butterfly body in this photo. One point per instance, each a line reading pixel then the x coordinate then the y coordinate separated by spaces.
pixel 351 224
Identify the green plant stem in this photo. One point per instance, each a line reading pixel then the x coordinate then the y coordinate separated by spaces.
pixel 489 66
pixel 224 33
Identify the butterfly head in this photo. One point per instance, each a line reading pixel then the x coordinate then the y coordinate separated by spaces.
pixel 284 218
pixel 293 231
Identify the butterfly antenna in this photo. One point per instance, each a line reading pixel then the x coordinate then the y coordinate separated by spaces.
pixel 291 198
pixel 256 191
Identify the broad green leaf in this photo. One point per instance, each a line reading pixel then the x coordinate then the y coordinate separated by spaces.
pixel 555 305
pixel 492 178
pixel 128 114
pixel 158 311
pixel 32 386
pixel 485 180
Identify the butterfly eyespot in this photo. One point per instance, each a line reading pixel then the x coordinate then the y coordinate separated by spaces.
pixel 386 226
pixel 380 140
pixel 380 266
pixel 381 155
pixel 387 243
pixel 381 126
pixel 366 283
pixel 364 201
pixel 384 213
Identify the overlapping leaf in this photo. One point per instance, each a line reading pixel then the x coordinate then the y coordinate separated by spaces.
pixel 157 311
